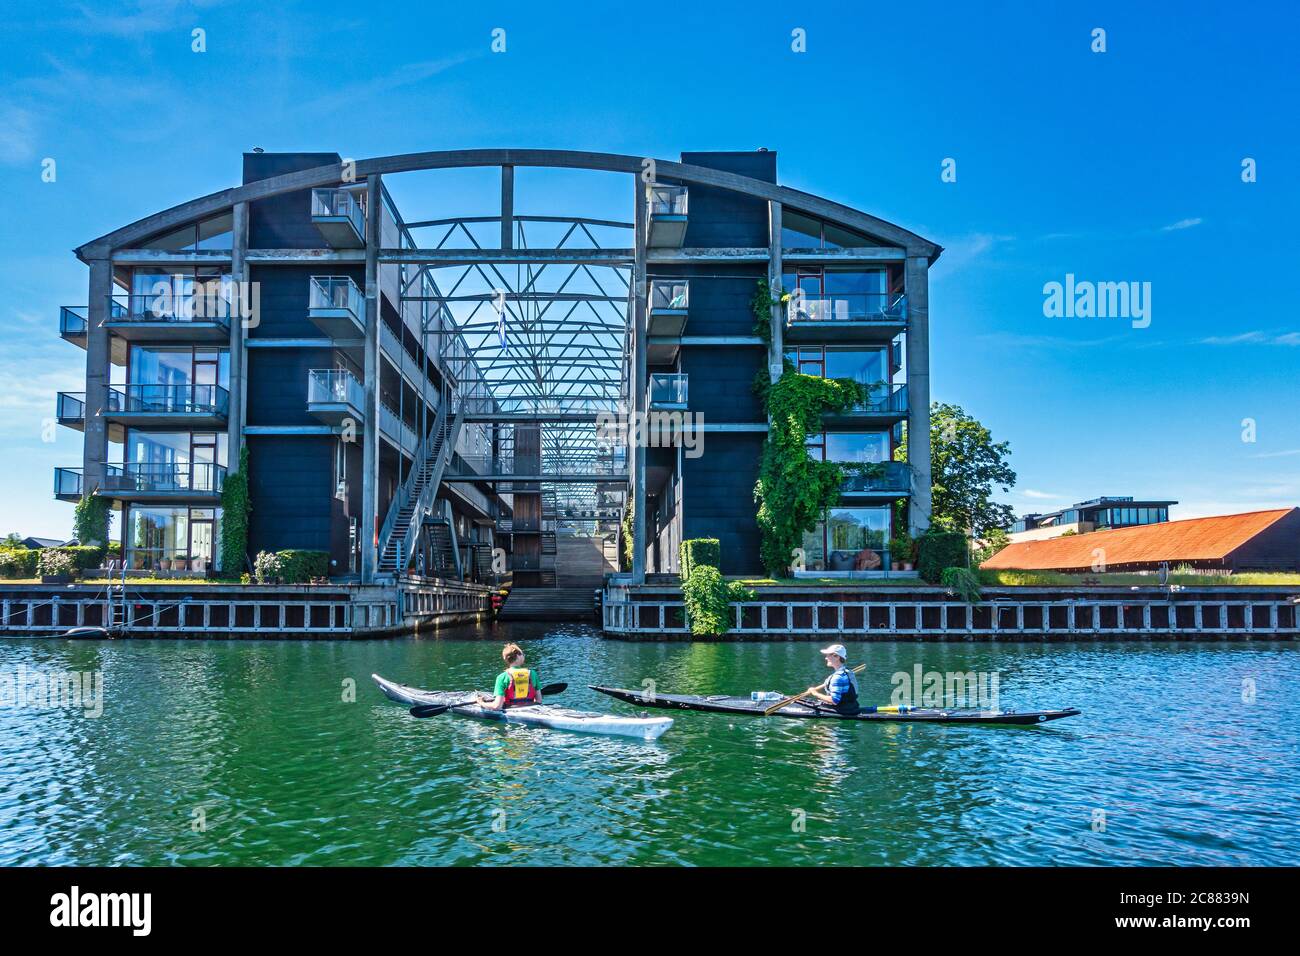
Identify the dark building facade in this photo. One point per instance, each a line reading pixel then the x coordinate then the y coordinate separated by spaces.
pixel 403 421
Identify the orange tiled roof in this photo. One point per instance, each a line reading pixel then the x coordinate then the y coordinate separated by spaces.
pixel 1192 539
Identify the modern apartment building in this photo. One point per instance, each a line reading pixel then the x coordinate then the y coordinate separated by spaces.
pixel 417 390
pixel 1092 515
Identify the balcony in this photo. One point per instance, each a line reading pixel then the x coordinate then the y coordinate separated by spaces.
pixel 337 306
pixel 335 396
pixel 182 406
pixel 74 321
pixel 70 410
pixel 401 435
pixel 847 317
pixel 67 484
pixel 668 391
pixel 885 405
pixel 149 482
pixel 202 315
pixel 666 225
pixel 340 218
pixel 882 480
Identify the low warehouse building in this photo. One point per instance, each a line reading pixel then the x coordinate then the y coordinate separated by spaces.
pixel 1255 541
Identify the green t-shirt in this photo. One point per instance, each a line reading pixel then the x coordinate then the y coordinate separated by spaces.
pixel 503 681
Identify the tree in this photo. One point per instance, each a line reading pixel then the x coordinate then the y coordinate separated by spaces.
pixel 993 542
pixel 966 465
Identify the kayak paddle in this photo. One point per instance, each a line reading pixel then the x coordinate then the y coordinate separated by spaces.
pixel 790 700
pixel 433 710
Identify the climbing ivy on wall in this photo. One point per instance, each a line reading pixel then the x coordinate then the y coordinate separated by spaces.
pixel 90 520
pixel 793 491
pixel 761 304
pixel 628 518
pixel 235 506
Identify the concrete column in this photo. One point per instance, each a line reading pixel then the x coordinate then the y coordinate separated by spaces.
pixel 370 428
pixel 918 390
pixel 239 274
pixel 776 350
pixel 507 207
pixel 638 380
pixel 95 449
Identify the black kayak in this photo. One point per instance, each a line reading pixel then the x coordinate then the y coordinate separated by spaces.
pixel 722 704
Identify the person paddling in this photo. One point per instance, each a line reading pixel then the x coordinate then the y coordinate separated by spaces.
pixel 840 690
pixel 516 685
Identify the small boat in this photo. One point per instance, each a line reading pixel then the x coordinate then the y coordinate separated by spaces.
pixel 465 704
pixel 722 704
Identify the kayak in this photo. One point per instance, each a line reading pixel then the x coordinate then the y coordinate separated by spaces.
pixel 722 704
pixel 465 704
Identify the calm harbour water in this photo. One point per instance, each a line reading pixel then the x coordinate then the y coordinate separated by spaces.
pixel 256 740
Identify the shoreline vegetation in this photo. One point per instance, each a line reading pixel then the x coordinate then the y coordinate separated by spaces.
pixel 989 578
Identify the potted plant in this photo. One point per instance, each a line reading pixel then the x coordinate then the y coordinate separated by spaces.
pixel 902 552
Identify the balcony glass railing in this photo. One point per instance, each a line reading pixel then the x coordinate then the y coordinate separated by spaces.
pixel 390 420
pixel 338 204
pixel 198 478
pixel 668 200
pixel 886 477
pixel 668 390
pixel 208 303
pixel 848 307
pixel 669 294
pixel 884 400
pixel 75 319
pixel 335 386
pixel 71 406
pixel 67 482
pixel 169 399
pixel 337 292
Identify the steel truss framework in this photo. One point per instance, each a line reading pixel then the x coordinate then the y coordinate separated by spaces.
pixel 546 337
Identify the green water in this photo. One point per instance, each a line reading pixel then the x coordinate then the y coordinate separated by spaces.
pixel 253 752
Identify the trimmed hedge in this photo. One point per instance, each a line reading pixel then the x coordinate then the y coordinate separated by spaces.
pixel 18 562
pixel 291 567
pixel 698 552
pixel 936 550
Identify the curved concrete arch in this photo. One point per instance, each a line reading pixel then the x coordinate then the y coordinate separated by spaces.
pixel 332 175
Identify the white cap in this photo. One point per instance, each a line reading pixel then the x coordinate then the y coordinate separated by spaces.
pixel 836 649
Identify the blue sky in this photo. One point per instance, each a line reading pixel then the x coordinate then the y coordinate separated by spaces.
pixel 1115 166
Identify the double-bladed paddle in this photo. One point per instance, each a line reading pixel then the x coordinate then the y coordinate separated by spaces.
pixel 433 710
pixel 790 700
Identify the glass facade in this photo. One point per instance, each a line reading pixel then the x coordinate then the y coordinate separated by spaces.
pixel 162 538
pixel 849 539
pixel 216 233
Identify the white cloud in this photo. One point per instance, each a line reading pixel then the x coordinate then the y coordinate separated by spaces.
pixel 1040 495
pixel 1255 337
pixel 17 135
pixel 1182 224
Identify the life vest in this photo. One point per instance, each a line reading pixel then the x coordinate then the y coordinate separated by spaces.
pixel 520 687
pixel 849 698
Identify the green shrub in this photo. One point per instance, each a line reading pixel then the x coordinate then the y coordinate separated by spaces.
pixel 55 561
pixel 268 567
pixel 629 515
pixel 18 562
pixel 697 552
pixel 963 582
pixel 708 604
pixel 83 556
pixel 936 550
pixel 299 567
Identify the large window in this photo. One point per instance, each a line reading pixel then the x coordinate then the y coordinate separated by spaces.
pixel 173 538
pixel 803 232
pixel 850 447
pixel 179 460
pixel 870 366
pixel 849 539
pixel 215 233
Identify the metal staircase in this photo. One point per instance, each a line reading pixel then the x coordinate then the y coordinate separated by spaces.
pixel 416 496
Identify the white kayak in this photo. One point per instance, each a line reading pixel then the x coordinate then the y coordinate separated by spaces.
pixel 465 704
